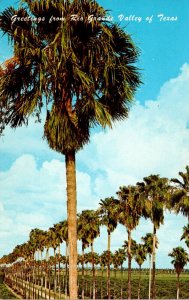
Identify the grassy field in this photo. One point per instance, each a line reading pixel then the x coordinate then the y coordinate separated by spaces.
pixel 5 293
pixel 165 286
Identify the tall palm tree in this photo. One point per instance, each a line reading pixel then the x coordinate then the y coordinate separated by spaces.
pixel 89 229
pixel 118 259
pixel 140 257
pixel 94 260
pixel 37 247
pixel 59 229
pixel 93 221
pixel 82 224
pixel 122 256
pixel 155 191
pixel 129 213
pixel 180 259
pixel 105 259
pixel 148 242
pixel 64 234
pixel 82 72
pixel 180 198
pixel 55 234
pixel 36 238
pixel 115 262
pixel 108 215
pixel 47 244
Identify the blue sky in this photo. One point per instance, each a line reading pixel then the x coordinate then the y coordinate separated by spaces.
pixel 164 45
pixel 154 140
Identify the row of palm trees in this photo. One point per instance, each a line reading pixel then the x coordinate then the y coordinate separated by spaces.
pixel 139 253
pixel 36 270
pixel 147 199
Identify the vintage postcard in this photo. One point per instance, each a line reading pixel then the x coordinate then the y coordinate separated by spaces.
pixel 94 149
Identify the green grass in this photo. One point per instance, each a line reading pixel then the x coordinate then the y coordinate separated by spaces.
pixel 165 286
pixel 5 293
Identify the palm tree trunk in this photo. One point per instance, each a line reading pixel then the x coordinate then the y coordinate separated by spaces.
pixel 108 267
pixel 38 260
pixel 150 275
pixel 139 282
pixel 178 285
pixel 102 273
pixel 115 270
pixel 121 282
pixel 83 282
pixel 66 275
pixel 129 264
pixel 34 276
pixel 55 280
pixel 72 222
pixel 59 283
pixel 47 270
pixel 33 281
pixel 154 265
pixel 93 270
pixel 41 272
pixel 49 285
pixel 29 285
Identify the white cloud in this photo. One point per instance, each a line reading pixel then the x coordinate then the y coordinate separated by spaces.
pixel 155 139
pixel 33 196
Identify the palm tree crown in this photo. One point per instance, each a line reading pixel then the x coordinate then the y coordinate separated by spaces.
pixel 180 198
pixel 180 258
pixel 83 71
